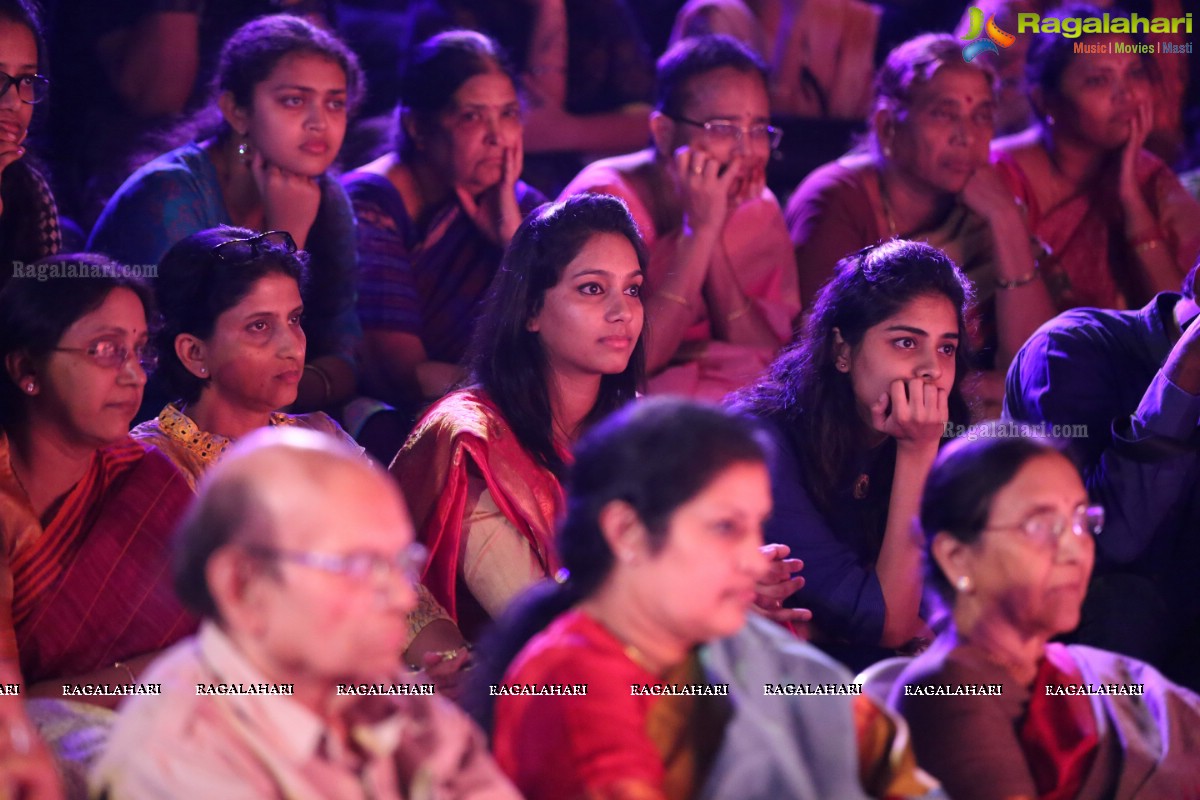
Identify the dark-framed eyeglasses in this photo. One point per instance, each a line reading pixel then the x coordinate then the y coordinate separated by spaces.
pixel 1047 527
pixel 113 355
pixel 238 250
pixel 358 566
pixel 30 88
pixel 726 132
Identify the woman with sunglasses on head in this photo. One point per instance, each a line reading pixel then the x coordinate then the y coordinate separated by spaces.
pixel 284 89
pixel 1009 539
pixel 232 351
pixel 721 276
pixel 76 493
pixel 435 216
pixel 29 227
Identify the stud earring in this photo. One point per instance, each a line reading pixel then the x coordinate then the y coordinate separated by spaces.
pixel 204 370
pixel 243 150
pixel 842 365
pixel 29 387
pixel 964 583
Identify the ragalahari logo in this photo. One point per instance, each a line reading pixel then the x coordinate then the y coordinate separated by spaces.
pixel 995 36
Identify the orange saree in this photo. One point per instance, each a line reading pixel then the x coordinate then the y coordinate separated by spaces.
pixel 465 433
pixel 92 587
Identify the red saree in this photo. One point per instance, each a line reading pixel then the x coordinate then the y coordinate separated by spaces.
pixel 607 743
pixel 1090 261
pixel 464 429
pixel 94 586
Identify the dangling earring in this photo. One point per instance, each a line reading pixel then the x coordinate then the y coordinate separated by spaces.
pixel 243 150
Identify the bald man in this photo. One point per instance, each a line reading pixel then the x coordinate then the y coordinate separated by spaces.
pixel 300 558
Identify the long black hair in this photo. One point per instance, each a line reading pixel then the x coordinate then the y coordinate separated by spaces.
pixel 506 359
pixel 655 455
pixel 803 391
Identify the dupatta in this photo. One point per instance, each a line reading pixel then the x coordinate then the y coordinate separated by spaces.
pixel 465 430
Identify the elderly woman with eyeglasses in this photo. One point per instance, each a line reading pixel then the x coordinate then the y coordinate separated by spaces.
pixel 77 495
pixel 721 284
pixel 1009 532
pixel 232 351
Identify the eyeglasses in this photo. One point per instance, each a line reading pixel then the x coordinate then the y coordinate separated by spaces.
pixel 236 250
pixel 360 566
pixel 726 132
pixel 30 88
pixel 113 355
pixel 1047 527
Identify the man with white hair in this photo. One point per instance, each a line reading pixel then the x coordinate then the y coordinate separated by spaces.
pixel 299 556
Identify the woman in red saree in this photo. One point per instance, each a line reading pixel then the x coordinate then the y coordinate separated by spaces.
pixel 1118 224
pixel 1009 533
pixel 558 347
pixel 85 511
pixel 663 666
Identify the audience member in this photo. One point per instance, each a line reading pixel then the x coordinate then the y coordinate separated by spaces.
pixel 558 347
pixel 435 215
pixel 721 269
pixel 857 408
pixel 587 75
pixel 1119 225
pixel 284 89
pixel 232 347
pixel 821 52
pixel 299 557
pixel 925 175
pixel 1129 382
pixel 661 546
pixel 124 72
pixel 1011 535
pixel 28 215
pixel 85 510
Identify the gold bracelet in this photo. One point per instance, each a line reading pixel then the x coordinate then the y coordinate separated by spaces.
pixel 324 376
pixel 1149 244
pixel 741 312
pixel 128 671
pixel 1017 283
pixel 674 298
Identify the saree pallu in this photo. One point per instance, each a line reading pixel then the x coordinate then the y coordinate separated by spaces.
pixel 95 586
pixel 464 430
pixel 1121 746
pixel 1090 263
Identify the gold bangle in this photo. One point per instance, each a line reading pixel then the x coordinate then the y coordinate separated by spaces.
pixel 1149 244
pixel 324 376
pixel 128 671
pixel 741 312
pixel 674 298
pixel 1017 283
